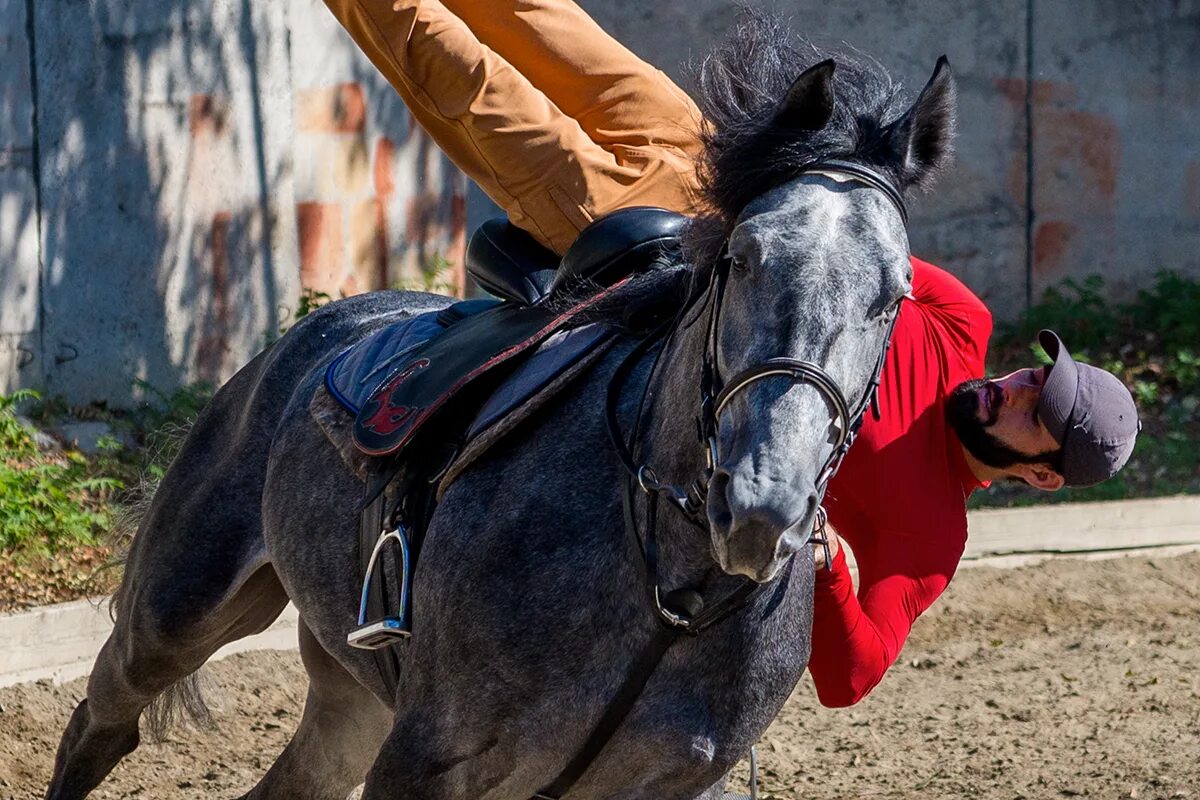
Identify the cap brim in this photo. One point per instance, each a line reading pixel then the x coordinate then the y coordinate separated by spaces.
pixel 1061 386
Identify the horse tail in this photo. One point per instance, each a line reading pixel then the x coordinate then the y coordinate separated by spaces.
pixel 182 700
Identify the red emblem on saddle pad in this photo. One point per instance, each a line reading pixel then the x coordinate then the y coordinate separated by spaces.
pixel 389 418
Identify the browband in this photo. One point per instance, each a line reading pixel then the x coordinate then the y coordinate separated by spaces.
pixel 863 174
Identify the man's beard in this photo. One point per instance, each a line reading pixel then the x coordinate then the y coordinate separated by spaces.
pixel 962 412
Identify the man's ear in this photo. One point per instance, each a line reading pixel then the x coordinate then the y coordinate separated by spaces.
pixel 1039 476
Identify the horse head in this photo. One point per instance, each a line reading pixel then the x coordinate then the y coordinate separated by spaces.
pixel 814 271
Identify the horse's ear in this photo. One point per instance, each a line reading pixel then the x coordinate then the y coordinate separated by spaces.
pixel 809 102
pixel 923 138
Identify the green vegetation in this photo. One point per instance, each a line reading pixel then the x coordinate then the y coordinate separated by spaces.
pixel 46 500
pixel 1153 344
pixel 157 427
pixel 54 499
pixel 310 301
pixel 437 276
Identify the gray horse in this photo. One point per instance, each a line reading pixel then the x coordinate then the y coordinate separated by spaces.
pixel 529 599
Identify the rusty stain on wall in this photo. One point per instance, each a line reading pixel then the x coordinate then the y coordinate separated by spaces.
pixel 382 237
pixel 210 185
pixel 319 228
pixel 214 342
pixel 208 115
pixel 1082 152
pixel 1076 163
pixel 1042 93
pixel 385 188
pixel 1050 244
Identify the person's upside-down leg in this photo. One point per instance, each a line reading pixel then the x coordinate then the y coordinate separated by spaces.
pixel 537 162
pixel 617 98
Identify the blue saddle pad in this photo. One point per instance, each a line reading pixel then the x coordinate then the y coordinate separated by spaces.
pixel 361 369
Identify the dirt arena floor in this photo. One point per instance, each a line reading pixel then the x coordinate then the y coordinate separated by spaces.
pixel 1066 679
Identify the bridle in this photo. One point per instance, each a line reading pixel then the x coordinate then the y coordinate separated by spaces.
pixel 716 395
pixel 684 610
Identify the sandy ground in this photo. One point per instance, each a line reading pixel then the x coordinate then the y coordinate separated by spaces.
pixel 1067 679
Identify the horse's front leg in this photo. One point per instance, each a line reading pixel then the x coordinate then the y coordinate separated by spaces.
pixel 424 758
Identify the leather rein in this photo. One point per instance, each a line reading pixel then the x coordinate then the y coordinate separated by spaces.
pixel 684 610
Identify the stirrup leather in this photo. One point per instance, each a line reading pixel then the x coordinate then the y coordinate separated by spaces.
pixel 389 629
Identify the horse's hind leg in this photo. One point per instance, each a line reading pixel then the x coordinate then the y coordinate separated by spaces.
pixel 196 579
pixel 145 655
pixel 339 735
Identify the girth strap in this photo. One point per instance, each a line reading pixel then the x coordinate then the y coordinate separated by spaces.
pixel 616 712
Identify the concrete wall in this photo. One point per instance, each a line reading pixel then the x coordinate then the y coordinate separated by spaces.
pixel 172 172
pixel 1079 125
pixel 20 274
pixel 376 201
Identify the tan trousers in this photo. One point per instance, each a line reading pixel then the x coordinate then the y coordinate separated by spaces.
pixel 556 120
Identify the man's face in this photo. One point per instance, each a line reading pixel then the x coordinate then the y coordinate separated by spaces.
pixel 997 420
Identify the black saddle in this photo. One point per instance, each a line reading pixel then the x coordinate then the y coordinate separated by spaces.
pixel 396 384
pixel 507 262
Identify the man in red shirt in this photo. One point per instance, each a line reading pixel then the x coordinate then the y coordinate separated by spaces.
pixel 899 499
pixel 560 124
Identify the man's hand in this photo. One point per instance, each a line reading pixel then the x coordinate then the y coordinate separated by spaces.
pixel 835 544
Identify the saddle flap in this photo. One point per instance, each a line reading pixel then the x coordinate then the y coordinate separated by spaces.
pixel 359 370
pixel 558 353
pixel 436 372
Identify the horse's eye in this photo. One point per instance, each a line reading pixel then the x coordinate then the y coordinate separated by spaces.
pixel 737 264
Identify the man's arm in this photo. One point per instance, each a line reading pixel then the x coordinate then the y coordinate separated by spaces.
pixel 856 638
pixel 961 318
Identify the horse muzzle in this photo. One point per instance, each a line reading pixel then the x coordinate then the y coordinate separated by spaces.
pixel 756 524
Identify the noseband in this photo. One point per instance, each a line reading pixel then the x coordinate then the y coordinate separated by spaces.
pixel 716 395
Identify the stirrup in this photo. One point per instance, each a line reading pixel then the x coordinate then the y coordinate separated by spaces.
pixel 389 629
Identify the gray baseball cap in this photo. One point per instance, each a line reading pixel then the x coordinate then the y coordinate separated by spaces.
pixel 1090 413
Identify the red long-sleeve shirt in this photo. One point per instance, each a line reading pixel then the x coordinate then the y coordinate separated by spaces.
pixel 899 499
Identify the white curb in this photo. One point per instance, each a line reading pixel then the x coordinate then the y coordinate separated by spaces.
pixel 60 642
pixel 1077 528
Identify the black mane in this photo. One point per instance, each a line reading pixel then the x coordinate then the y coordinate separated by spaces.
pixel 739 88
